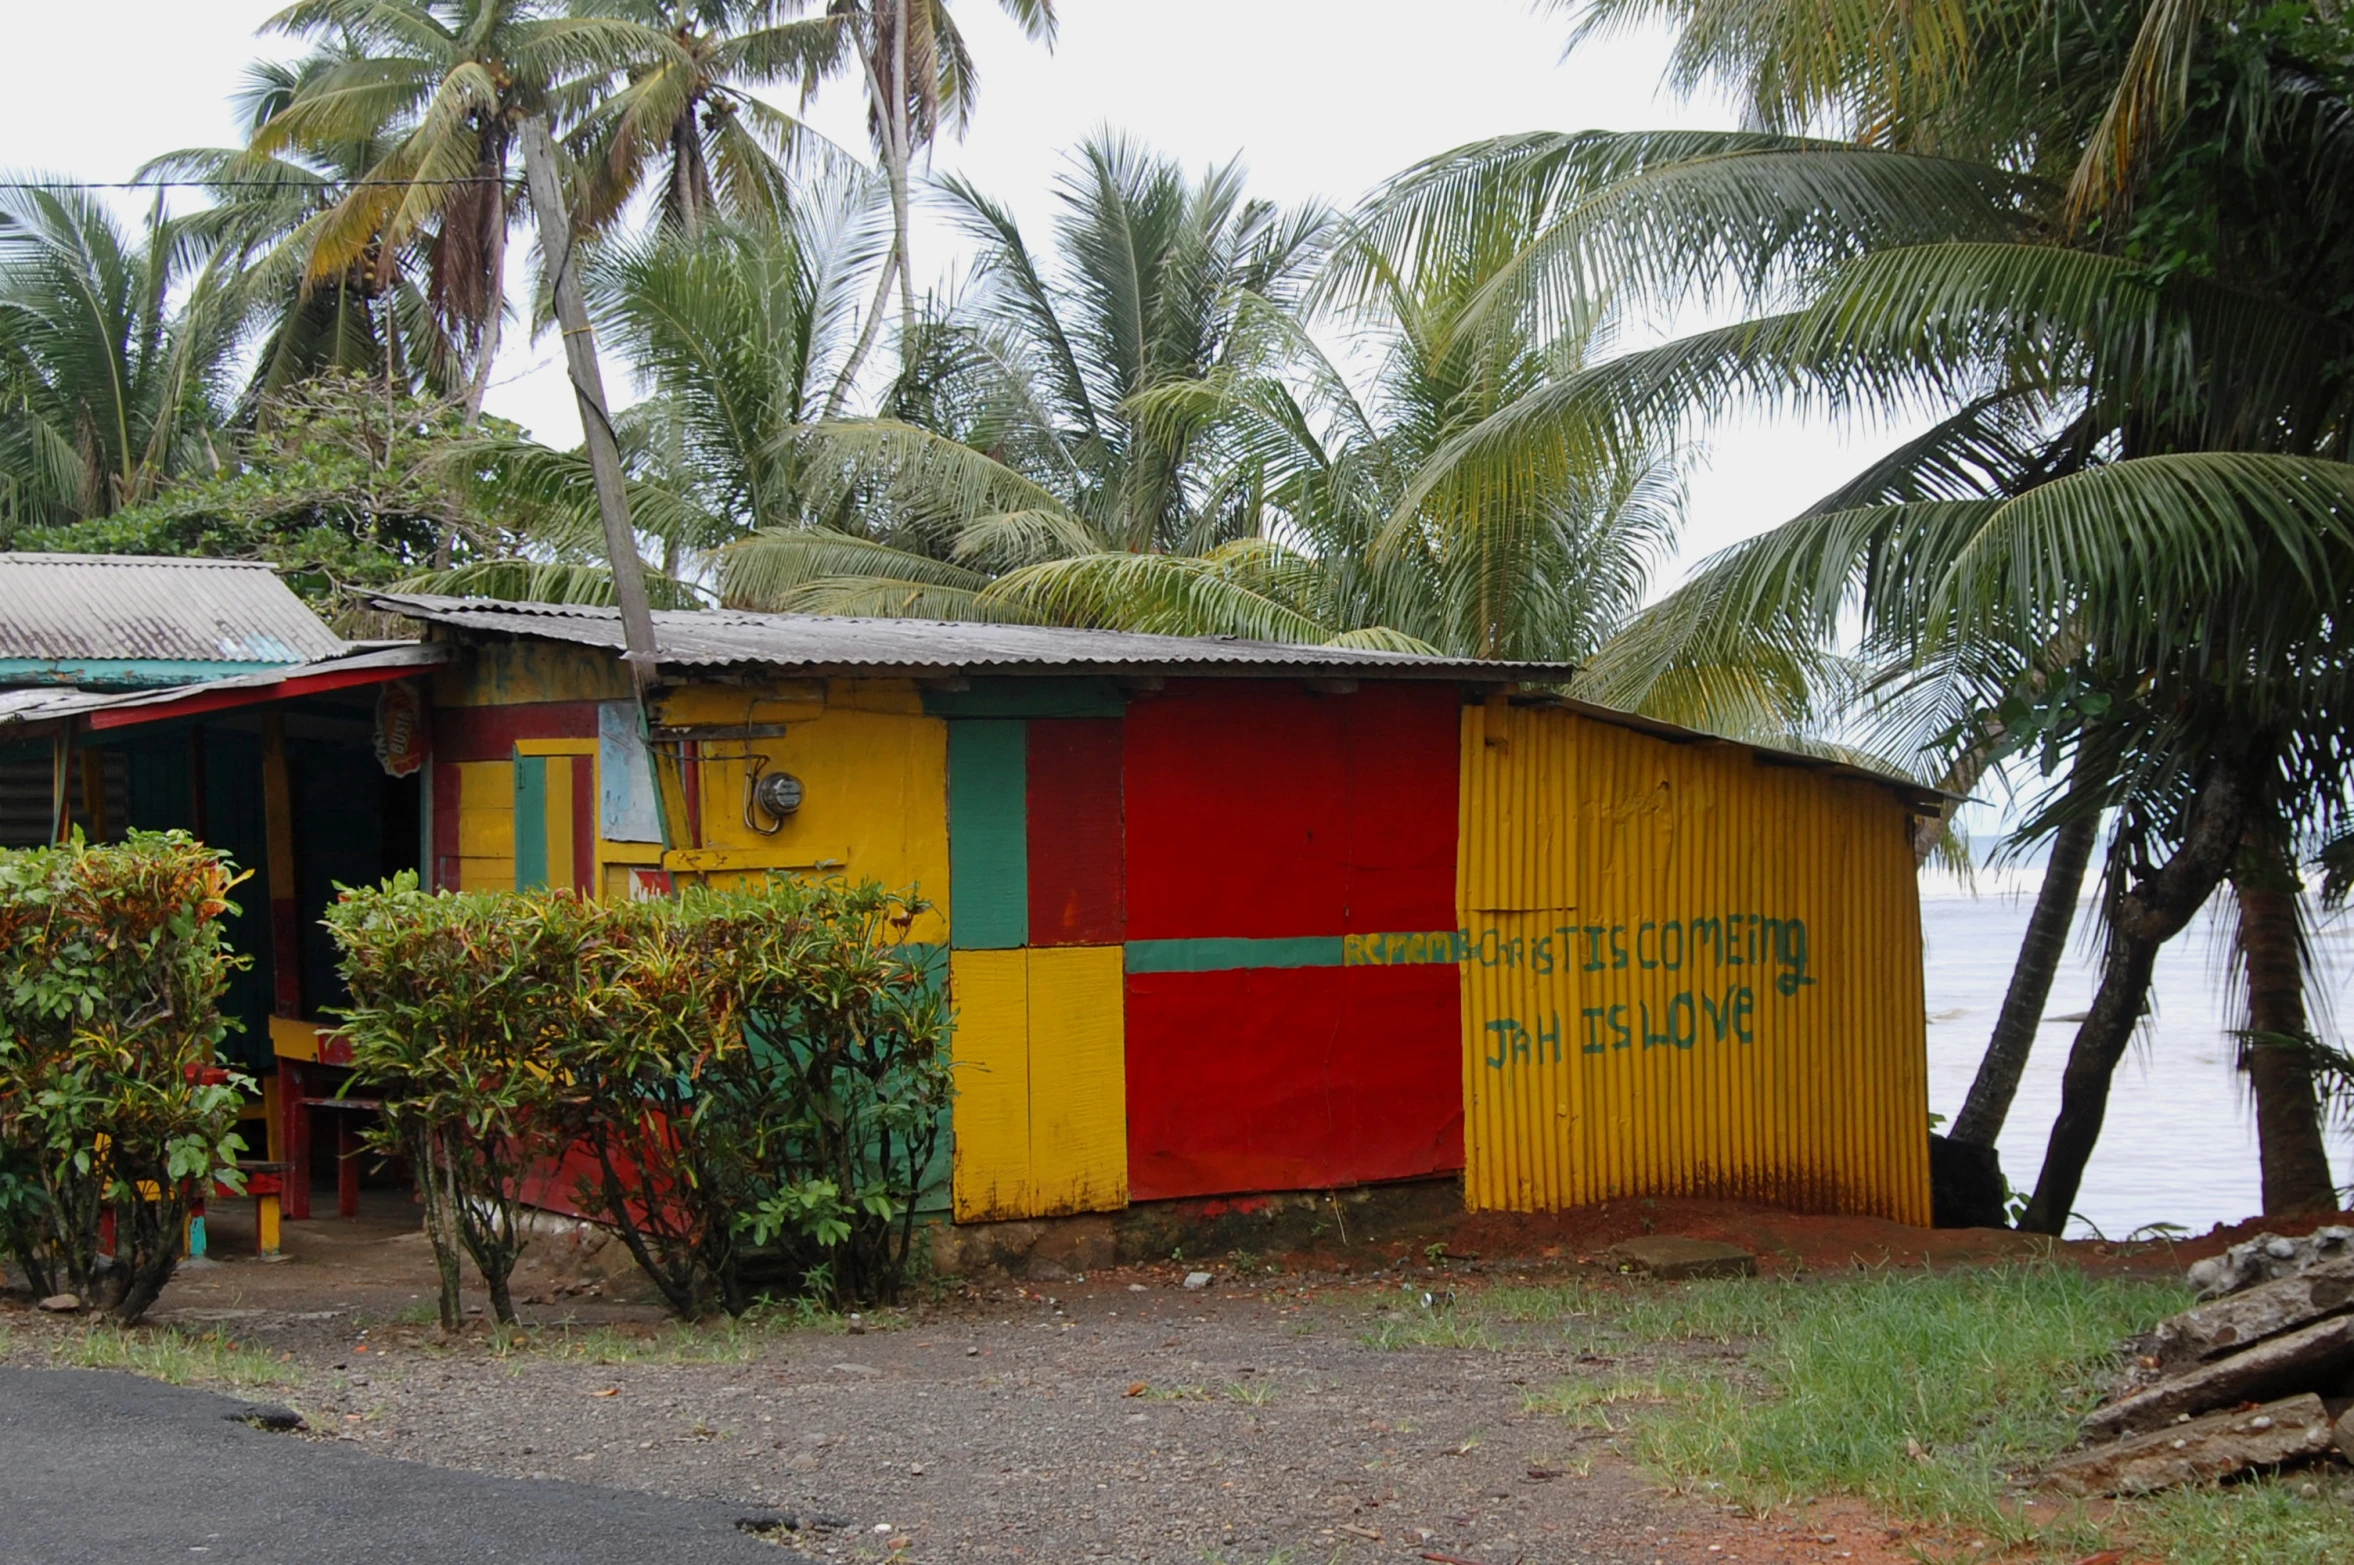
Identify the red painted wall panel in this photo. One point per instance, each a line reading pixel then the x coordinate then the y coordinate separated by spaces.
pixel 584 825
pixel 488 733
pixel 1291 1079
pixel 1074 812
pixel 1234 819
pixel 1265 810
pixel 1405 770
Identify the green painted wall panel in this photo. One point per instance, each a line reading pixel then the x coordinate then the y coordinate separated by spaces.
pixel 988 834
pixel 531 822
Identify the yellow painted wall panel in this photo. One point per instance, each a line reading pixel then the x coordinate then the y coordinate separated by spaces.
pixel 1690 973
pixel 875 798
pixel 990 1051
pixel 485 875
pixel 1078 1079
pixel 486 825
pixel 739 706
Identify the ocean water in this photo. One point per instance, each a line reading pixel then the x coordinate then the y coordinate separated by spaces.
pixel 2179 1143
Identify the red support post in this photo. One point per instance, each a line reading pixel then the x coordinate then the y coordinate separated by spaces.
pixel 295 1120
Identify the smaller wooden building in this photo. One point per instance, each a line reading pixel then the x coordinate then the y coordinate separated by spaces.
pixel 1223 917
pixel 157 693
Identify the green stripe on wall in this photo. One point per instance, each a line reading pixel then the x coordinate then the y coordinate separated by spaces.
pixel 1223 954
pixel 1214 954
pixel 531 822
pixel 988 835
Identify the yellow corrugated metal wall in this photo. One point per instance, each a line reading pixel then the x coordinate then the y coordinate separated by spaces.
pixel 1041 1082
pixel 1689 972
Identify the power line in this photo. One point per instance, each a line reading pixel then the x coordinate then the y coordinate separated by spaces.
pixel 247 184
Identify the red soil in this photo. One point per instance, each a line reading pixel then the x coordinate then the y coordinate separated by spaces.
pixel 1786 1241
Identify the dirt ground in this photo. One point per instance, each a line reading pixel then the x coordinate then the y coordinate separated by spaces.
pixel 1118 1415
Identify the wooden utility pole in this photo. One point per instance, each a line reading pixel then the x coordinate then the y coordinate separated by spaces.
pixel 557 249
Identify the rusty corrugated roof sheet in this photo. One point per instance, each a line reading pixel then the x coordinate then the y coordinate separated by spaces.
pixel 112 608
pixel 817 644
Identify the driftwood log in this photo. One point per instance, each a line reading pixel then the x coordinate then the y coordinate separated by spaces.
pixel 2258 1376
pixel 2220 1445
pixel 2317 1354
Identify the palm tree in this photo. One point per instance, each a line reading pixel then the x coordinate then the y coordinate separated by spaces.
pixel 2137 483
pixel 111 363
pixel 372 319
pixel 442 85
pixel 1033 392
pixel 739 335
pixel 736 334
pixel 691 114
pixel 1318 474
pixel 919 76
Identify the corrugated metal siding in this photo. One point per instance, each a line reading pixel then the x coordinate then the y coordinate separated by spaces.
pixel 1618 1041
pixel 1293 1020
pixel 73 607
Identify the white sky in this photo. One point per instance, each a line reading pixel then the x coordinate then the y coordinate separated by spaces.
pixel 1320 97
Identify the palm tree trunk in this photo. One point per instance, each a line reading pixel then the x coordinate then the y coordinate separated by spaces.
pixel 688 195
pixel 2145 918
pixel 1980 1122
pixel 495 266
pixel 889 102
pixel 2084 1087
pixel 901 157
pixel 2288 1117
pixel 866 339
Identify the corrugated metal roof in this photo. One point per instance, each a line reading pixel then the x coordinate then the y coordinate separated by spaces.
pixel 80 608
pixel 29 710
pixel 817 644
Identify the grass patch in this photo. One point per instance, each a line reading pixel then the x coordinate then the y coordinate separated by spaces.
pixel 1921 1392
pixel 1929 1395
pixel 1420 1328
pixel 2269 1521
pixel 1609 1402
pixel 1251 1393
pixel 1522 1305
pixel 182 1358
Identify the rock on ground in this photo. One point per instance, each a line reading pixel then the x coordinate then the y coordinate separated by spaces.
pixel 1674 1259
pixel 2266 1257
pixel 2217 1446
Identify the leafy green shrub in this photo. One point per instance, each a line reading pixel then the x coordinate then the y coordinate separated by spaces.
pixel 460 1004
pixel 752 1078
pixel 769 1078
pixel 112 965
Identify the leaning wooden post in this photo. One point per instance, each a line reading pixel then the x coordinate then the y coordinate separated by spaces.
pixel 294 1123
pixel 558 251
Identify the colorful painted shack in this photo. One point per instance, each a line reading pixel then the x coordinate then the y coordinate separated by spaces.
pixel 149 694
pixel 1227 917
